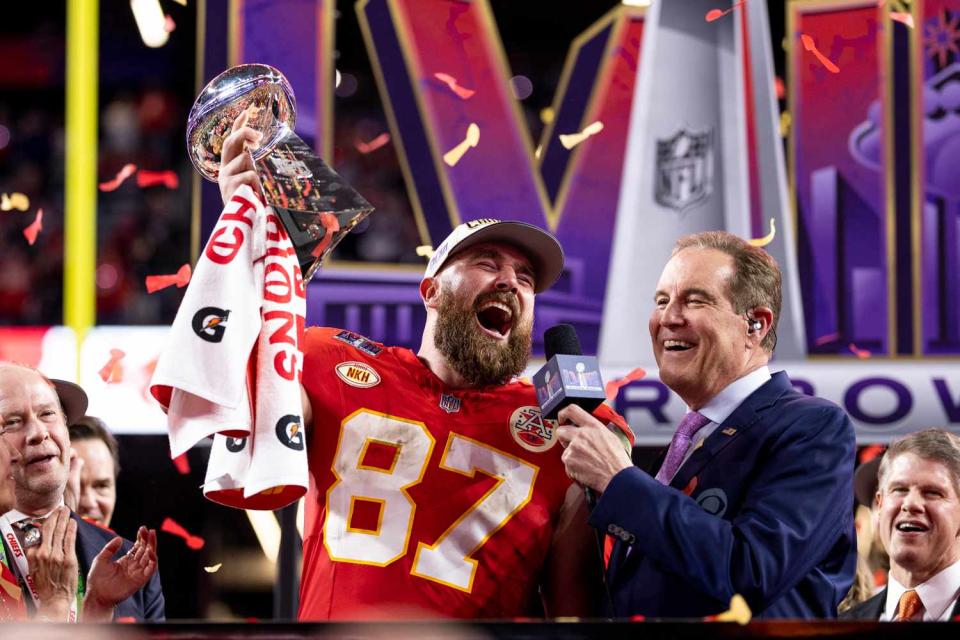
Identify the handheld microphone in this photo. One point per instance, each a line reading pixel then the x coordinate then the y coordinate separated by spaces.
pixel 568 377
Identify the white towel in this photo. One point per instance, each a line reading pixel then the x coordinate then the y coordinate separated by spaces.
pixel 232 365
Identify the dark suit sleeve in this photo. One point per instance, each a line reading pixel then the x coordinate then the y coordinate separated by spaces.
pixel 798 501
pixel 153 603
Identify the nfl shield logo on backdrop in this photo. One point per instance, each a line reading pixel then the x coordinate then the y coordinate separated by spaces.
pixel 684 169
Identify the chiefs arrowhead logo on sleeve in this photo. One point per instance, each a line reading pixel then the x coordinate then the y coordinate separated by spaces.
pixel 358 374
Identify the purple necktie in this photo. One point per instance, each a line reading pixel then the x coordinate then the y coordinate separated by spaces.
pixel 691 423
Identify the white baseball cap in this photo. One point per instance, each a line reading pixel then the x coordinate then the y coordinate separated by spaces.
pixel 540 247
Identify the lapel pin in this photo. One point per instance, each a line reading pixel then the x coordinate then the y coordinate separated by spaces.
pixel 729 431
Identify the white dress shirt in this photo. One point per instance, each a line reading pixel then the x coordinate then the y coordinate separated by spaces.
pixel 724 403
pixel 938 595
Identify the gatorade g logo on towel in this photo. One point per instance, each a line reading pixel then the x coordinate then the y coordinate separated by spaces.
pixel 209 323
pixel 236 445
pixel 290 433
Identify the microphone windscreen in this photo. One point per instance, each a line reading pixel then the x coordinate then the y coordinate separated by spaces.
pixel 562 339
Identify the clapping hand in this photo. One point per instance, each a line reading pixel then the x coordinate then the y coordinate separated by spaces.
pixel 113 581
pixel 53 565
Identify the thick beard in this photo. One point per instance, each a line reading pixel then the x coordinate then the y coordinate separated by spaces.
pixel 479 360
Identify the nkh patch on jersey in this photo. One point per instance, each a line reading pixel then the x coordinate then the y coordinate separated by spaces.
pixel 358 374
pixel 531 431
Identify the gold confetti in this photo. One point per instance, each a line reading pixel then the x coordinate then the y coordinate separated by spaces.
pixel 546 115
pixel 570 140
pixel 183 3
pixel 18 201
pixel 214 568
pixel 453 156
pixel 785 121
pixel 425 251
pixel 738 612
pixel 902 17
pixel 767 239
pixel 538 150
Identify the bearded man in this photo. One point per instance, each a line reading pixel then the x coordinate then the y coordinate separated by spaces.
pixel 436 487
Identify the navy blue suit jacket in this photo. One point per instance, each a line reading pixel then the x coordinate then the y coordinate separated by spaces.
pixel 144 605
pixel 768 514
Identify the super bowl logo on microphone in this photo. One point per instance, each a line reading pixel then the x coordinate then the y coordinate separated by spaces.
pixel 531 431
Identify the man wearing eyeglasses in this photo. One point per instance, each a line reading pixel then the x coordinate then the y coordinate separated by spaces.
pixel 35 412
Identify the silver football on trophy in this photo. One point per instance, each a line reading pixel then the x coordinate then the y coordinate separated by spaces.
pixel 258 88
pixel 315 205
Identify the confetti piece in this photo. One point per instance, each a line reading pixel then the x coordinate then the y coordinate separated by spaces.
pixel 182 464
pixel 181 278
pixel 110 372
pixel 824 60
pixel 112 185
pixel 168 24
pixel 35 227
pixel 373 145
pixel 462 92
pixel 167 178
pixel 612 388
pixel 172 527
pixel 181 2
pixel 716 14
pixel 767 239
pixel 330 226
pixel 18 201
pixel 870 452
pixel 738 612
pixel 425 251
pixel 214 568
pixel 824 339
pixel 570 140
pixel 902 17
pixel 780 88
pixel 453 156
pixel 547 115
pixel 785 121
pixel 538 151
pixel 863 354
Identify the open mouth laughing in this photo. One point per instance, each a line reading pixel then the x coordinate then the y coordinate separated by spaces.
pixel 495 317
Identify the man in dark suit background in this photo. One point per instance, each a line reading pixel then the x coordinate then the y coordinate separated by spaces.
pixel 35 413
pixel 755 494
pixel 918 500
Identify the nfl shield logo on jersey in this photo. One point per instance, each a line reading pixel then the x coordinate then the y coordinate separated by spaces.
pixel 449 403
pixel 531 431
pixel 684 169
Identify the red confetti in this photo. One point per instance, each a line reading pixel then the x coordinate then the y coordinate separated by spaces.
pixel 182 464
pixel 863 354
pixel 168 179
pixel 168 24
pixel 780 88
pixel 716 14
pixel 691 486
pixel 612 388
pixel 110 372
pixel 869 453
pixel 34 228
pixel 172 527
pixel 462 92
pixel 331 225
pixel 112 185
pixel 824 60
pixel 824 339
pixel 181 278
pixel 373 145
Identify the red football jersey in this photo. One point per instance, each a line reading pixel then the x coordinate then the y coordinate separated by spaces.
pixel 424 500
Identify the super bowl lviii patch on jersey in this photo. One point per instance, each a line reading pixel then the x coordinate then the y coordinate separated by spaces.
pixel 357 341
pixel 531 431
pixel 358 374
